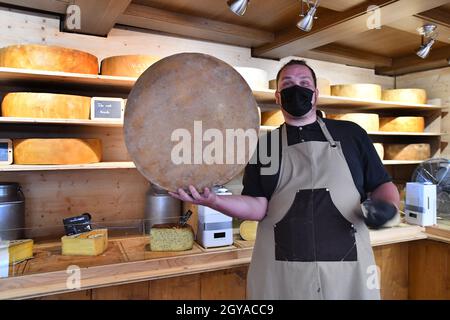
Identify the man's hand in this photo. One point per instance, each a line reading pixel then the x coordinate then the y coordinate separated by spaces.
pixel 378 212
pixel 207 198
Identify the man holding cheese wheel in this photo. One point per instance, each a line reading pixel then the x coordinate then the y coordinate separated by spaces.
pixel 312 239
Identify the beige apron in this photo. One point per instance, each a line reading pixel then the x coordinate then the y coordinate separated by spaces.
pixel 313 243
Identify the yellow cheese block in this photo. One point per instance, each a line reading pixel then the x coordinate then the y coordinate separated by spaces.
pixel 418 151
pixel 359 91
pixel 45 105
pixel 171 237
pixel 92 243
pixel 402 124
pixel 272 118
pixel 57 151
pixel 416 96
pixel 248 229
pixel 18 250
pixel 367 121
pixel 380 150
pixel 127 66
pixel 48 58
pixel 322 84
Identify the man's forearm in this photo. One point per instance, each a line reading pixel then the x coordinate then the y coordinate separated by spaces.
pixel 242 207
pixel 387 192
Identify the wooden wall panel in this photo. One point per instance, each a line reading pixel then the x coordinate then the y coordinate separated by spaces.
pixel 393 263
pixel 132 291
pixel 429 270
pixel 78 295
pixel 224 284
pixel 177 288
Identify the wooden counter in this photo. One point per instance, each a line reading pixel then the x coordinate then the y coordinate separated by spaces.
pixel 128 261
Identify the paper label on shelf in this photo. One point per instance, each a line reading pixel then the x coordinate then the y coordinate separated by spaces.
pixel 4 259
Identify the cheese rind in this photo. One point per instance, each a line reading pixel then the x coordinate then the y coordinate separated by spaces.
pixel 417 152
pixel 402 124
pixel 171 237
pixel 415 96
pixel 46 105
pixel 367 121
pixel 92 243
pixel 57 151
pixel 127 65
pixel 248 230
pixel 48 58
pixel 358 91
pixel 380 150
pixel 272 118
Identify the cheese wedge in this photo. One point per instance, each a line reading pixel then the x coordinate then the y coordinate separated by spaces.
pixel 248 229
pixel 171 237
pixel 359 91
pixel 92 243
pixel 18 250
pixel 45 105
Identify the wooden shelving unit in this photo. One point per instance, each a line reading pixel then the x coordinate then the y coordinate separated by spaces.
pixel 92 166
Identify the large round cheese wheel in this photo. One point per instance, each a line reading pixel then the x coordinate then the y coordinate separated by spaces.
pixel 45 105
pixel 359 91
pixel 323 85
pixel 380 150
pixel 248 230
pixel 367 121
pixel 402 124
pixel 57 151
pixel 48 58
pixel 272 118
pixel 416 96
pixel 257 79
pixel 127 66
pixel 418 151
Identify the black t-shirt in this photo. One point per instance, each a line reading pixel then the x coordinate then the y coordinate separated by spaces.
pixel 365 165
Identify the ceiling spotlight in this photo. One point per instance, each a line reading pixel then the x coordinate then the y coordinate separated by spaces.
pixel 238 6
pixel 306 23
pixel 425 49
pixel 427 30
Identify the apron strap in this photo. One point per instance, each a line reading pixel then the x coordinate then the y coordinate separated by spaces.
pixel 326 132
pixel 284 142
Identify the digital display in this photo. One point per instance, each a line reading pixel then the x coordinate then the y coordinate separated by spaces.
pixel 3 151
pixel 219 235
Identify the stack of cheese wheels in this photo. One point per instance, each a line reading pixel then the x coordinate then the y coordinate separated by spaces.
pixel 45 105
pixel 48 58
pixel 322 84
pixel 272 118
pixel 257 79
pixel 415 96
pixel 127 66
pixel 367 121
pixel 358 91
pixel 412 152
pixel 380 150
pixel 402 124
pixel 57 151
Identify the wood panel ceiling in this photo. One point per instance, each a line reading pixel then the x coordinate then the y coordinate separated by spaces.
pixel 340 34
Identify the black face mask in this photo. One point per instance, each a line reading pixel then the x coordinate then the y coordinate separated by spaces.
pixel 296 100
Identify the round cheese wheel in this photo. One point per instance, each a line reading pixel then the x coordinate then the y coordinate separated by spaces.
pixel 418 151
pixel 48 58
pixel 322 84
pixel 367 121
pixel 272 118
pixel 57 151
pixel 416 96
pixel 380 150
pixel 257 79
pixel 402 124
pixel 248 229
pixel 45 105
pixel 127 66
pixel 359 91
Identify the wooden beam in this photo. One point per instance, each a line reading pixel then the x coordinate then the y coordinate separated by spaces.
pixel 99 17
pixel 54 6
pixel 349 56
pixel 438 58
pixel 410 24
pixel 193 27
pixel 437 15
pixel 294 43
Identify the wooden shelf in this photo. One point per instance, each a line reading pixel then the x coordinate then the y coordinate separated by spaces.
pixel 38 121
pixel 92 166
pixel 401 162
